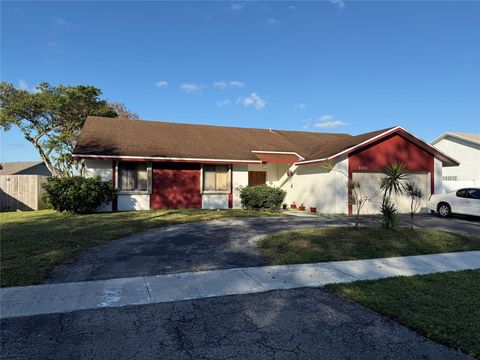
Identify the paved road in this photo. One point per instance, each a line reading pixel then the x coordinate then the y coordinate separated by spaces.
pixel 219 244
pixel 289 324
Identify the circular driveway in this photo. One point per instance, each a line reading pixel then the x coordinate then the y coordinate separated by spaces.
pixel 217 244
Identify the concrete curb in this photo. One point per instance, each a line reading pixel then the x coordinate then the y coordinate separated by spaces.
pixel 68 297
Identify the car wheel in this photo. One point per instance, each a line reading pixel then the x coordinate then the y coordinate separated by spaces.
pixel 444 210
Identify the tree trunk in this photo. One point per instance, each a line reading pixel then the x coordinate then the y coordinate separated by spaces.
pixel 45 159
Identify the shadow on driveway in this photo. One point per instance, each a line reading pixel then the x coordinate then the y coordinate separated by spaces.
pixel 218 244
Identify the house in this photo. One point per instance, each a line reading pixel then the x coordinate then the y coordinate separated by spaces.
pixel 466 149
pixel 158 165
pixel 24 168
pixel 21 185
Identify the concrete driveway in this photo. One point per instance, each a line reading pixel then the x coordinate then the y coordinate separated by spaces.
pixel 288 324
pixel 217 244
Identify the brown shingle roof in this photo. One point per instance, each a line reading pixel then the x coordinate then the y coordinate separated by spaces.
pixel 110 136
pixel 20 167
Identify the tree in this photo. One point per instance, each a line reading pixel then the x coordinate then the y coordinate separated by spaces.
pixel 123 112
pixel 391 182
pixel 51 118
pixel 415 194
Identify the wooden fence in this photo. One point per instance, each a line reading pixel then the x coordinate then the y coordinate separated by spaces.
pixel 21 192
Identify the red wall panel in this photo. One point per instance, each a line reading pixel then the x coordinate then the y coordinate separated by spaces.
pixel 377 155
pixel 175 186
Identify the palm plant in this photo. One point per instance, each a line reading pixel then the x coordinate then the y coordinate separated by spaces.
pixel 391 183
pixel 415 194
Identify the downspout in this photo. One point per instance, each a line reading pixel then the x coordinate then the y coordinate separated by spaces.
pixel 114 181
pixel 230 195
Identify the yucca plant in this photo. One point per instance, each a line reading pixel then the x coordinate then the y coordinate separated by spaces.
pixel 415 194
pixel 391 183
pixel 390 214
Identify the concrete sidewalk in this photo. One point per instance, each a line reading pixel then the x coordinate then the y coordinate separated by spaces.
pixel 67 297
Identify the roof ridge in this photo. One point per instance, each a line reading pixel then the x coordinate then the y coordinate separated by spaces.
pixel 214 126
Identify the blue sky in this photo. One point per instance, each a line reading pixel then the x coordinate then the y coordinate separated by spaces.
pixel 334 66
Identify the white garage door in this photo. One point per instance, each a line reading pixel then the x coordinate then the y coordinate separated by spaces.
pixel 370 184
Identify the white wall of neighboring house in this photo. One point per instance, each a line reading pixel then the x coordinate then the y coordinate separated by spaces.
pixel 468 172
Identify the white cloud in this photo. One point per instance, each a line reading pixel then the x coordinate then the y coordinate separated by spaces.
pixel 328 122
pixel 191 87
pixel 161 84
pixel 23 85
pixel 272 21
pixel 253 100
pixel 236 7
pixel 225 102
pixel 306 123
pixel 55 47
pixel 222 84
pixel 338 3
pixel 62 23
pixel 299 106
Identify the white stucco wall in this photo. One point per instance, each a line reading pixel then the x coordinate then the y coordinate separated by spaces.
pixel 125 202
pixel 468 154
pixel 437 178
pixel 239 178
pixel 102 168
pixel 129 202
pixel 316 187
pixel 215 201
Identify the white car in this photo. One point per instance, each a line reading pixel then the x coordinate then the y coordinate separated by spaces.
pixel 464 201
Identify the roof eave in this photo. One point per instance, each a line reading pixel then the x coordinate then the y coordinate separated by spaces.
pixel 446 160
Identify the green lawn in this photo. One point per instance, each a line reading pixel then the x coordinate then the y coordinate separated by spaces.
pixel 32 243
pixel 346 243
pixel 444 306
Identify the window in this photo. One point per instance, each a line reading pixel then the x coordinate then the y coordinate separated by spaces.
pixel 215 178
pixel 132 176
pixel 473 194
pixel 450 178
pixel 462 193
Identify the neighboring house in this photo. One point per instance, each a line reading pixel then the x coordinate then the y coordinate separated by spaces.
pixel 158 165
pixel 21 185
pixel 24 168
pixel 466 149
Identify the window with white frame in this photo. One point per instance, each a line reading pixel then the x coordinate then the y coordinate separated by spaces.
pixel 133 176
pixel 216 178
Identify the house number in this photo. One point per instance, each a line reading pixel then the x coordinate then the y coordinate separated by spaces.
pixel 363 168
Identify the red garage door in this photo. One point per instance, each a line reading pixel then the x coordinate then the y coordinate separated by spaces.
pixel 175 186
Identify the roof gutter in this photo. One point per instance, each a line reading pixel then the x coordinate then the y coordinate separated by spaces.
pixel 160 158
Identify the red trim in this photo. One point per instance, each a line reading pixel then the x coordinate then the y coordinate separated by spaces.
pixel 350 177
pixel 410 137
pixel 394 148
pixel 114 176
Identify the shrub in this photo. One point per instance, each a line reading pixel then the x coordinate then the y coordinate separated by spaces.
pixel 390 214
pixel 77 194
pixel 262 197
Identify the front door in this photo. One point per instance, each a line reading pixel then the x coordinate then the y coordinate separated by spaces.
pixel 257 178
